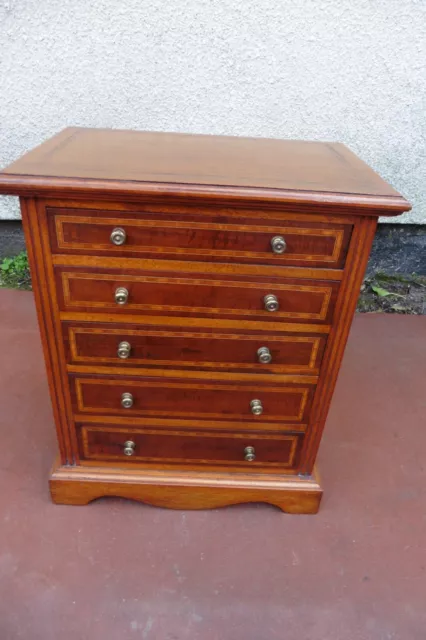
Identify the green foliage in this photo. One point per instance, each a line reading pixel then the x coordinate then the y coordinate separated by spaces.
pixel 383 293
pixel 393 293
pixel 15 272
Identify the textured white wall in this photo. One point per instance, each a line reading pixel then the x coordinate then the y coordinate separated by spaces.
pixel 347 70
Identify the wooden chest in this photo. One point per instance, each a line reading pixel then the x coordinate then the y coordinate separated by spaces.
pixel 194 296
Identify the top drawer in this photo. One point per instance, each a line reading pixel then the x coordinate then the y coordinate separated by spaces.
pixel 210 236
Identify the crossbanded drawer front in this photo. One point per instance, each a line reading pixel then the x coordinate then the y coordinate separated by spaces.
pixel 191 447
pixel 207 236
pixel 228 297
pixel 161 347
pixel 216 400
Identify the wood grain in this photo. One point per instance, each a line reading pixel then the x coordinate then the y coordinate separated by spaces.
pixel 98 344
pixel 197 237
pixel 47 315
pixel 194 268
pixel 217 167
pixel 250 213
pixel 182 374
pixel 232 296
pixel 183 424
pixel 359 251
pixel 198 447
pixel 191 399
pixel 208 324
pixel 177 489
pixel 199 213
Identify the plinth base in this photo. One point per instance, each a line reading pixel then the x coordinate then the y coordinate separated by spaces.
pixel 80 485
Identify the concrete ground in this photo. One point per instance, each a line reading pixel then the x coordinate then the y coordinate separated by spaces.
pixel 122 570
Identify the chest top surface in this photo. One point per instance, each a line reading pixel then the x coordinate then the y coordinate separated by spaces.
pixel 128 161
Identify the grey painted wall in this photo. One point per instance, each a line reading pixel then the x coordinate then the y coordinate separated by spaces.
pixel 347 70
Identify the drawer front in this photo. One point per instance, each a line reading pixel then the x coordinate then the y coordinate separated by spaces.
pixel 148 445
pixel 123 347
pixel 227 297
pixel 193 399
pixel 198 237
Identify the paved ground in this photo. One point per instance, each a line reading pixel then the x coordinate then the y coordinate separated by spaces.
pixel 122 570
pixel 397 249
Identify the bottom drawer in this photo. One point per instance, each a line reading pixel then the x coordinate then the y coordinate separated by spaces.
pixel 146 445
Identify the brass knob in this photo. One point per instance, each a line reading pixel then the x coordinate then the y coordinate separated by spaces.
pixel 264 355
pixel 256 407
pixel 129 448
pixel 271 302
pixel 118 236
pixel 123 350
pixel 121 295
pixel 278 244
pixel 126 400
pixel 249 454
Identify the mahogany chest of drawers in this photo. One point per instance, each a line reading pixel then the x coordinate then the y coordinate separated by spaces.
pixel 194 295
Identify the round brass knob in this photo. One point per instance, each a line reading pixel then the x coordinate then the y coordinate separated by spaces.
pixel 121 295
pixel 271 302
pixel 126 400
pixel 278 244
pixel 123 350
pixel 118 236
pixel 129 448
pixel 256 407
pixel 249 454
pixel 264 355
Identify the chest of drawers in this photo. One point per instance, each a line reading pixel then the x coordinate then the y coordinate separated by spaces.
pixel 194 296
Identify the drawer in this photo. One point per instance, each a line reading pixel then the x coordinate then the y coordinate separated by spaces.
pixel 160 347
pixel 165 447
pixel 144 397
pixel 200 236
pixel 231 296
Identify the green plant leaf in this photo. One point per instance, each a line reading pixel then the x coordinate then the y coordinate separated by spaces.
pixel 15 273
pixel 6 264
pixel 383 293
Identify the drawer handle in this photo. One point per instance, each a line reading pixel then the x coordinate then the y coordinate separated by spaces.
pixel 127 400
pixel 121 295
pixel 129 448
pixel 278 244
pixel 264 355
pixel 271 302
pixel 256 407
pixel 118 236
pixel 249 454
pixel 123 350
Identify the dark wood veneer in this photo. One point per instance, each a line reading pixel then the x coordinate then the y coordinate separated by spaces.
pixel 225 449
pixel 228 296
pixel 97 344
pixel 192 398
pixel 198 236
